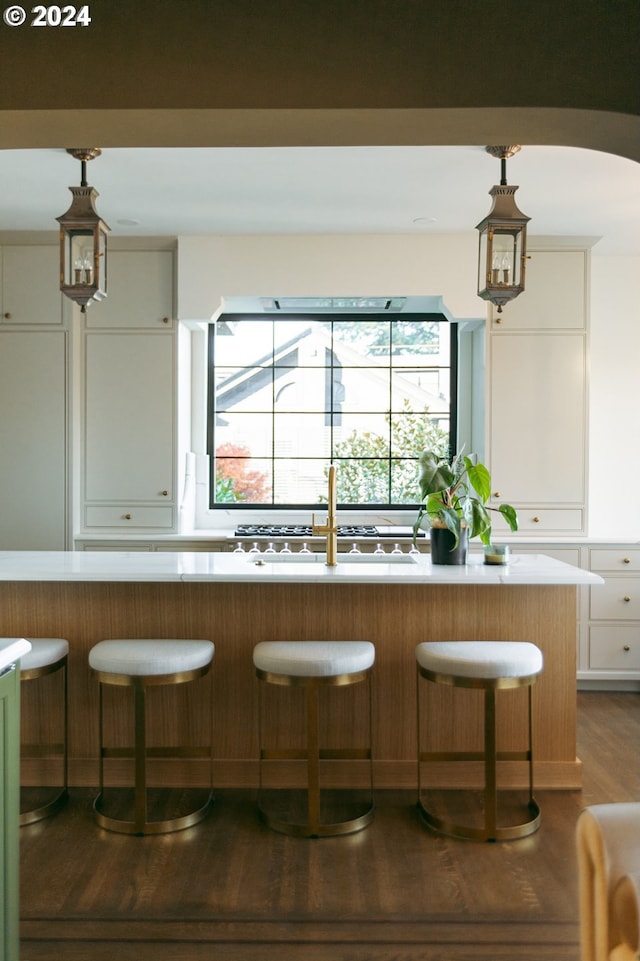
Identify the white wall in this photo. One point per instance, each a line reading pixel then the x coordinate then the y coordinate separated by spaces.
pixel 614 433
pixel 213 267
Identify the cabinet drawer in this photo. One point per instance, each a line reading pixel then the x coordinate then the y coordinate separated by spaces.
pixel 569 555
pixel 129 517
pixel 532 521
pixel 614 647
pixel 617 599
pixel 615 559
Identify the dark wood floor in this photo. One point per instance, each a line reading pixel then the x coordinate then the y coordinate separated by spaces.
pixel 231 890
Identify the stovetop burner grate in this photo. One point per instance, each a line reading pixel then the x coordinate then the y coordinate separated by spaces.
pixel 304 530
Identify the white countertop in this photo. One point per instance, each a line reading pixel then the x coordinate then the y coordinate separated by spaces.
pixel 197 566
pixel 11 650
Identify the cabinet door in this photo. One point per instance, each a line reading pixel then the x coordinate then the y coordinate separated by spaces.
pixel 537 418
pixel 129 404
pixel 33 432
pixel 555 293
pixel 139 291
pixel 31 285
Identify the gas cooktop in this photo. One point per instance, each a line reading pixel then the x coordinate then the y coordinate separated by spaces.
pixel 303 530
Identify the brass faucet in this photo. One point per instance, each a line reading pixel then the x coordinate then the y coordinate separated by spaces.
pixel 330 529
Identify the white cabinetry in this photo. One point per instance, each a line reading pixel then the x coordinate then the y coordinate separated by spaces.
pixel 34 373
pixel 30 285
pixel 555 293
pixel 613 641
pixel 33 439
pixel 537 398
pixel 129 364
pixel 140 291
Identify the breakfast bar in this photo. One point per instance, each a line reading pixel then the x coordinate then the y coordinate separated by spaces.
pixel 238 600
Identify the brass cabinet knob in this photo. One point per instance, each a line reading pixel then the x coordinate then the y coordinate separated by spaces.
pixel 626 560
pixel 536 520
pixel 166 320
pixel 497 494
pixel 626 598
pixel 626 648
pixel 164 493
pixel 7 316
pixel 127 517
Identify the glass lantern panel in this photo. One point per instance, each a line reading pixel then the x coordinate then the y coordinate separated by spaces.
pixel 79 266
pixel 506 257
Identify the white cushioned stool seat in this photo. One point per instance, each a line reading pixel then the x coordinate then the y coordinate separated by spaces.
pixel 314 666
pixel 489 666
pixel 44 652
pixel 48 655
pixel 150 657
pixel 482 659
pixel 314 658
pixel 145 663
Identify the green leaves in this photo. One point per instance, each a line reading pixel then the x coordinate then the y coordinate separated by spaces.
pixel 479 478
pixel 455 496
pixel 433 476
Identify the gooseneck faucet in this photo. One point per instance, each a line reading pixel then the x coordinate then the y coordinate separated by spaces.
pixel 330 529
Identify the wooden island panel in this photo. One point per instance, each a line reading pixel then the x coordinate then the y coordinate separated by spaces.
pixel 395 617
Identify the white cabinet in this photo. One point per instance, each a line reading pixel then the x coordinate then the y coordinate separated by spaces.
pixel 139 291
pixel 613 645
pixel 129 408
pixel 33 439
pixel 555 293
pixel 129 436
pixel 537 399
pixel 30 285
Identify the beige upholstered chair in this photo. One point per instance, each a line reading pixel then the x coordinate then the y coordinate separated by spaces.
pixel 608 848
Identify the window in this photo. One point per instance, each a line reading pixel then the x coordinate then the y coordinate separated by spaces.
pixel 290 395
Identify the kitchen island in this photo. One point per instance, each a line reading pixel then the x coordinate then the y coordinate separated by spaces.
pixel 237 600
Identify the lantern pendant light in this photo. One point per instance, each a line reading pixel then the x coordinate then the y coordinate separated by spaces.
pixel 83 240
pixel 503 240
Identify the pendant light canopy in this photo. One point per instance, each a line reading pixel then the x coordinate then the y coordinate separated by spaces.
pixel 503 240
pixel 83 240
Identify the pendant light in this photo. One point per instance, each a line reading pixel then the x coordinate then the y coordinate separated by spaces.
pixel 503 240
pixel 83 240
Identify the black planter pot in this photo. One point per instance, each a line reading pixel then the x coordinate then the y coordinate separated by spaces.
pixel 443 549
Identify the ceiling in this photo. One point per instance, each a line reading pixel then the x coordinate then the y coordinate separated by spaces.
pixel 262 190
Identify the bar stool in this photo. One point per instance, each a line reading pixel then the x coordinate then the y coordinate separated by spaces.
pixel 144 664
pixel 314 665
pixel 489 666
pixel 48 655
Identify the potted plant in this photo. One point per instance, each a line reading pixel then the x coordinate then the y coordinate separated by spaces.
pixel 454 505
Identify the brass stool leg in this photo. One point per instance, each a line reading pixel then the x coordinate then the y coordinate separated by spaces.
pixel 490 755
pixel 140 757
pixel 313 760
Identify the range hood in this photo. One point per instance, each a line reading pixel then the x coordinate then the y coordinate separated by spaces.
pixel 425 305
